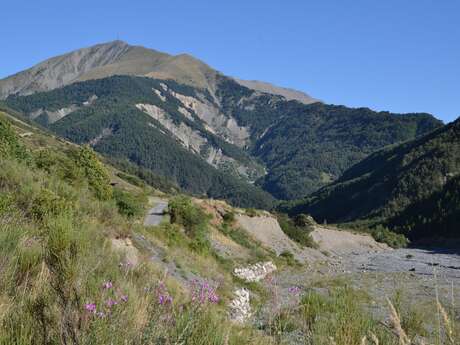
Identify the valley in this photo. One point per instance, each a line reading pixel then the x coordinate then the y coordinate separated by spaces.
pixel 146 198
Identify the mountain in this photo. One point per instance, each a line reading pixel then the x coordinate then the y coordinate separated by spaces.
pixel 414 188
pixel 119 58
pixel 179 118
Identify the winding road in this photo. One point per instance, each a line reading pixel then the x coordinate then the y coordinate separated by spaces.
pixel 155 214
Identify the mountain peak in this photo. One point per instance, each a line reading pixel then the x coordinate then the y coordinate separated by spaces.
pixel 120 58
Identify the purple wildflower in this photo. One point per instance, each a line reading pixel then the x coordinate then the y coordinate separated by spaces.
pixel 163 295
pixel 294 290
pixel 203 293
pixel 110 302
pixel 164 299
pixel 124 298
pixel 91 307
pixel 107 285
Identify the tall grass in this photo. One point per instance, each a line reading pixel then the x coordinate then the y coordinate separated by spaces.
pixel 60 282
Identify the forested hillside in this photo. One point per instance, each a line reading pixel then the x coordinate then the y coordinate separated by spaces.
pixel 413 188
pixel 104 115
pixel 305 147
pixel 213 143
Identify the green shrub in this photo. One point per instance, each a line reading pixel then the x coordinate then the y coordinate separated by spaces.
pixel 298 229
pixel 251 212
pixel 47 204
pixel 304 221
pixel 10 147
pixel 229 217
pixel 129 204
pixel 384 235
pixel 289 257
pixel 193 219
pixel 134 180
pixel 238 235
pixel 95 172
pixel 62 165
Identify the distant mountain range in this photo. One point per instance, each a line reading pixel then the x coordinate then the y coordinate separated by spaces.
pixel 177 118
pixel 414 188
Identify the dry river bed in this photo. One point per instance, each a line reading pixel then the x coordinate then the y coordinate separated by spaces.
pixel 417 275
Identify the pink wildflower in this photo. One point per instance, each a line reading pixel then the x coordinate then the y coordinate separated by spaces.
pixel 294 290
pixel 110 302
pixel 91 307
pixel 107 285
pixel 163 295
pixel 203 293
pixel 164 299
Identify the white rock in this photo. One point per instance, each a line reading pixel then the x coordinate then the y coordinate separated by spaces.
pixel 240 308
pixel 256 272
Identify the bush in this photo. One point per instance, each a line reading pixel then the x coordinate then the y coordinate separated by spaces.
pixel 57 163
pixel 251 212
pixel 134 180
pixel 47 204
pixel 10 147
pixel 95 172
pixel 229 217
pixel 194 221
pixel 289 257
pixel 298 230
pixel 238 235
pixel 384 235
pixel 128 204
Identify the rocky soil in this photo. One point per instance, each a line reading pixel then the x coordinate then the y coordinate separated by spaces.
pixel 342 257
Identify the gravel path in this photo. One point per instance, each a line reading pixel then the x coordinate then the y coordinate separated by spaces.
pixel 155 214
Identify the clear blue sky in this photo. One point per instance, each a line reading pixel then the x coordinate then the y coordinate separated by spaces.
pixel 397 55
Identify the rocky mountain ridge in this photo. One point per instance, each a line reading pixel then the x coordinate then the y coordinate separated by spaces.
pixel 120 58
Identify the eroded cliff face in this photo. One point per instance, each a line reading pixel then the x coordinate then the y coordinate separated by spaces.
pixel 195 141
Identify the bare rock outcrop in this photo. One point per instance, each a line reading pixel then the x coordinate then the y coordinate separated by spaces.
pixel 256 272
pixel 240 307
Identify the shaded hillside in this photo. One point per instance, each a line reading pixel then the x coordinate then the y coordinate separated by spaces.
pixel 412 187
pixel 436 217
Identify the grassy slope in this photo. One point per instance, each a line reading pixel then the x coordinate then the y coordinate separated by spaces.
pixel 55 234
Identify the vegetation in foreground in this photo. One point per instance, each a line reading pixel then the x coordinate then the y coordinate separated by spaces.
pixel 60 282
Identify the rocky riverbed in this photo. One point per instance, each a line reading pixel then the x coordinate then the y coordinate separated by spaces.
pixel 445 264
